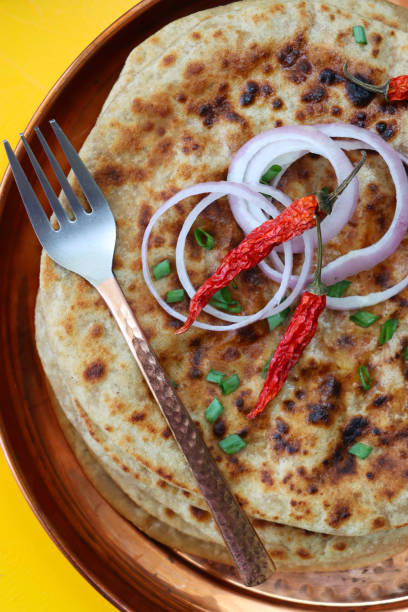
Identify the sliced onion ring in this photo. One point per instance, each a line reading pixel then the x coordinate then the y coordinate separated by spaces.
pixel 218 190
pixel 252 160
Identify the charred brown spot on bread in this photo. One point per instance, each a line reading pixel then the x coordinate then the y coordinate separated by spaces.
pixel 216 109
pixel 243 62
pixel 231 354
pixel 199 514
pixel 354 429
pixel 317 94
pixel 378 523
pixel 145 213
pixel 95 371
pixel 277 103
pixel 289 54
pixel 340 546
pixel 219 428
pixel 282 440
pixel 108 175
pixel 166 433
pixel 330 387
pixel 382 278
pixel 339 515
pixel 249 94
pixel 266 477
pixel 319 413
pixel 303 553
pixel 193 68
pixel 386 130
pixel 358 95
pixel 381 399
pixel 135 417
pixel 169 512
pixel 169 59
pixel 158 106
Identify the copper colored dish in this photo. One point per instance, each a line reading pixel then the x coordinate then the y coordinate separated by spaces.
pixel 131 570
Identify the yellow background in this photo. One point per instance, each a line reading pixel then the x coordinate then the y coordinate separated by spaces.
pixel 38 41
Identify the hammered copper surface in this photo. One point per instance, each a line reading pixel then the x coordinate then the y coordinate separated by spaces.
pixel 132 571
pixel 251 559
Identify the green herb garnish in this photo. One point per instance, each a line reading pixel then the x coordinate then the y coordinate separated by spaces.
pixel 173 382
pixel 270 174
pixel 228 385
pixel 204 239
pixel 360 450
pixel 360 35
pixel 162 269
pixel 405 353
pixel 214 411
pixel 222 299
pixel 338 289
pixel 277 319
pixel 214 376
pixel 363 318
pixel 176 295
pixel 365 377
pixel 266 367
pixel 232 444
pixel 387 330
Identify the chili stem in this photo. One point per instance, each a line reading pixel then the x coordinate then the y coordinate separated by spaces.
pixel 326 201
pixel 381 89
pixel 317 286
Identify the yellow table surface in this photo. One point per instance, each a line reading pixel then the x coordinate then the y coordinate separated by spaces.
pixel 38 41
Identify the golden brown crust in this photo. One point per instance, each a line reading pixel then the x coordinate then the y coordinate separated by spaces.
pixel 176 123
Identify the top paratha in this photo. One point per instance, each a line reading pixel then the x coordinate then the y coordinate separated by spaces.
pixel 175 117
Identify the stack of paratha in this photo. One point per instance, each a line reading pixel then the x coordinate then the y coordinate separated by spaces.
pixel 186 100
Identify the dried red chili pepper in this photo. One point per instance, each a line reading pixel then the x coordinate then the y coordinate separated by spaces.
pixel 293 221
pixel 300 331
pixel 394 89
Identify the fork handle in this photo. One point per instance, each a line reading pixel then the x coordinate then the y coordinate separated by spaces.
pixel 243 543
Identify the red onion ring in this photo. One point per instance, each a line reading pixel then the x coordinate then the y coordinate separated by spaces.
pixel 252 160
pixel 218 190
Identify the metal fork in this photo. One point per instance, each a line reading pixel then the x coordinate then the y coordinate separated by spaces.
pixel 85 245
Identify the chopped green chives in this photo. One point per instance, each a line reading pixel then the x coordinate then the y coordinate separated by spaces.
pixel 214 376
pixel 405 353
pixel 173 382
pixel 365 377
pixel 360 35
pixel 204 239
pixel 228 385
pixel 222 299
pixel 387 330
pixel 266 367
pixel 363 318
pixel 219 305
pixel 277 319
pixel 176 295
pixel 360 450
pixel 338 289
pixel 223 295
pixel 270 174
pixel 214 411
pixel 232 444
pixel 162 269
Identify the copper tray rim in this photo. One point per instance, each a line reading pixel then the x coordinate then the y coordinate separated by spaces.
pixel 5 184
pixel 18 474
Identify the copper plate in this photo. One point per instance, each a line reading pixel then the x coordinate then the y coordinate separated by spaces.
pixel 131 570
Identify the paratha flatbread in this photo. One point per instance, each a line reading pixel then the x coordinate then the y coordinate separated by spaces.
pixel 175 117
pixel 292 549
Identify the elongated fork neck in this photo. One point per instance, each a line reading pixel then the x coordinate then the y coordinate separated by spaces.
pixel 243 543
